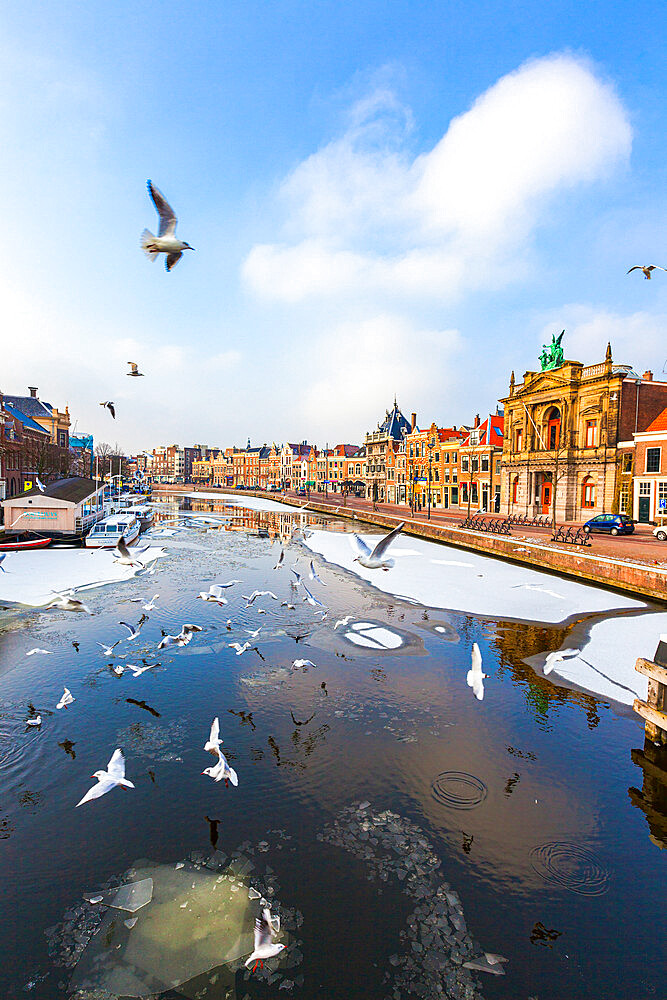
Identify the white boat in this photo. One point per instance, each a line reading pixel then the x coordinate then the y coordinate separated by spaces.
pixel 107 532
pixel 143 513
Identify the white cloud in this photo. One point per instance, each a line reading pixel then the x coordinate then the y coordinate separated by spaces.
pixel 363 214
pixel 357 367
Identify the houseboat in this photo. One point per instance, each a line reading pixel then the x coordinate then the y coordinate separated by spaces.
pixel 63 511
pixel 107 533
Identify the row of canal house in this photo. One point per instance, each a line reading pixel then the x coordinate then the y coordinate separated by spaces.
pixel 34 442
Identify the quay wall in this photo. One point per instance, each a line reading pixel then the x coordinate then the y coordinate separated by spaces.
pixel 618 574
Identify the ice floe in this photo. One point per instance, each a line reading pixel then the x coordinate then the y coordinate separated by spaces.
pixel 32 577
pixel 373 636
pixel 605 662
pixel 479 585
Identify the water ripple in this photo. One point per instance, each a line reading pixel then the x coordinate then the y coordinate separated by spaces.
pixel 570 866
pixel 458 790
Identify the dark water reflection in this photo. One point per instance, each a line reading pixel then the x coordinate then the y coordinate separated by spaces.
pixel 555 855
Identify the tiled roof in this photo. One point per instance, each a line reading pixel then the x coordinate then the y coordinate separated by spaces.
pixel 659 424
pixel 15 411
pixel 74 490
pixel 395 424
pixel 30 405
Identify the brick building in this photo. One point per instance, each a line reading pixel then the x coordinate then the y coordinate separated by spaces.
pixel 394 427
pixel 650 472
pixel 34 442
pixel 480 462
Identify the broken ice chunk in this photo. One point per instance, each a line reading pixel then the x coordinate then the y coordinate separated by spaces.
pixel 253 894
pixel 94 899
pixel 487 963
pixel 131 922
pixel 130 897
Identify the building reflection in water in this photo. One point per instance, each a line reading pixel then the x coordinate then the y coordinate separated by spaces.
pixel 271 524
pixel 652 799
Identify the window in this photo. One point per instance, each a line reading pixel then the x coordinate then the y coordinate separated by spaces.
pixel 474 493
pixel 475 464
pixel 591 434
pixel 485 463
pixel 497 466
pixel 437 475
pixel 653 459
pixel 515 489
pixel 446 474
pixel 644 489
pixel 445 457
pixel 455 495
pixel 588 493
pixel 627 462
pixel 437 456
pixel 519 440
pixel 464 493
pixel 464 463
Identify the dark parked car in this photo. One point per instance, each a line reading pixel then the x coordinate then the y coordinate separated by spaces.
pixel 615 524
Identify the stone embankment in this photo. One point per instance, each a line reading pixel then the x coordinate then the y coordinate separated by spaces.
pixel 633 575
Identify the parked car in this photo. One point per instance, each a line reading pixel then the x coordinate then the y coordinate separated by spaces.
pixel 661 532
pixel 615 524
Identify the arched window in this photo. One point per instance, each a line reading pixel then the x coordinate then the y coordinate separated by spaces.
pixel 553 428
pixel 588 492
pixel 515 489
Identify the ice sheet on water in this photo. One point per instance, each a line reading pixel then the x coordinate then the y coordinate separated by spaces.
pixel 129 897
pixel 373 636
pixel 477 585
pixel 31 577
pixel 195 922
pixel 606 661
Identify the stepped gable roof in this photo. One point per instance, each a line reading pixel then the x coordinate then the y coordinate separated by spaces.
pixel 659 424
pixel 19 414
pixel 74 490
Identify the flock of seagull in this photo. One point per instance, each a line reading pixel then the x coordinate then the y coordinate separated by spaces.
pixel 113 776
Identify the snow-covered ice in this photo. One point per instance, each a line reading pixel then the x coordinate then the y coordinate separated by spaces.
pixel 481 585
pixel 606 662
pixel 373 636
pixel 32 577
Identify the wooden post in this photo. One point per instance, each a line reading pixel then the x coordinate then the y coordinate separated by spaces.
pixel 654 709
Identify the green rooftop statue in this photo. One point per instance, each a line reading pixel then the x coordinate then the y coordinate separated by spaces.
pixel 552 355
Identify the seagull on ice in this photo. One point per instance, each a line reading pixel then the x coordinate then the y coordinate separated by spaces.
pixel 373 559
pixel 303 663
pixel 222 770
pixel 134 370
pixel 166 240
pixel 214 593
pixel 134 631
pixel 106 780
pixel 66 602
pixel 343 621
pixel 312 600
pixel 313 574
pixel 239 648
pixel 475 677
pixel 66 699
pixel 108 650
pixel 37 721
pixel 31 652
pixel 265 928
pixel 123 555
pixel 111 407
pixel 214 742
pixel 151 603
pixel 118 670
pixel 647 269
pixel 555 657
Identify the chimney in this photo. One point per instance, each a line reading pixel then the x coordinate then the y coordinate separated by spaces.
pixel 413 421
pixel 476 424
pixel 648 376
pixel 33 391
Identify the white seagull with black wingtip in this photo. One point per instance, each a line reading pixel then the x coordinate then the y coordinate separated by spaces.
pixel 265 927
pixel 166 240
pixel 372 559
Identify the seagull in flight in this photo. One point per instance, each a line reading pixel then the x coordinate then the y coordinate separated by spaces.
pixel 66 602
pixel 280 559
pixel 111 407
pixel 254 634
pixel 106 780
pixel 108 650
pixel 556 657
pixel 66 699
pixel 39 484
pixel 214 742
pixel 134 370
pixel 647 269
pixel 222 770
pixel 123 555
pixel 297 578
pixel 166 241
pixel 258 593
pixel 312 600
pixel 475 677
pixel 374 559
pixel 239 648
pixel 138 671
pixel 134 631
pixel 151 603
pixel 2 556
pixel 343 621
pixel 265 928
pixel 214 593
pixel 313 574
pixel 303 663
pixel 230 583
pixel 31 652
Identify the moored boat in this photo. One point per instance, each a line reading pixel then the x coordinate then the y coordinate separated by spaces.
pixel 31 543
pixel 143 513
pixel 107 533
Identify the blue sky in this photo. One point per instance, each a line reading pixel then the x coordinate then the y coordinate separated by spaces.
pixel 384 198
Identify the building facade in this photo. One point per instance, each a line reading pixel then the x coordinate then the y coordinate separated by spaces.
pixel 394 427
pixel 650 472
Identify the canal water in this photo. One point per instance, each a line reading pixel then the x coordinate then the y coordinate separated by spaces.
pixel 400 827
